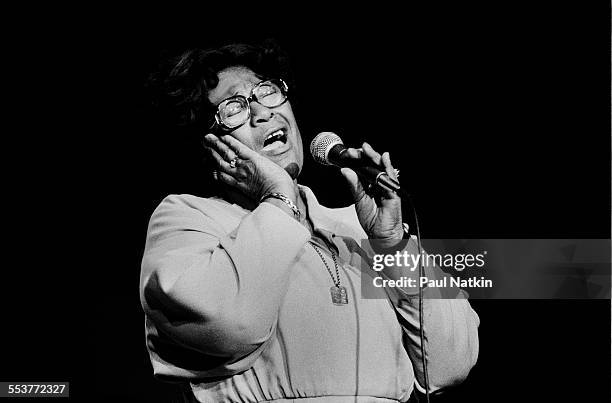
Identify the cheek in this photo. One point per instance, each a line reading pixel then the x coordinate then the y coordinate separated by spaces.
pixel 300 148
pixel 287 112
pixel 244 136
pixel 298 140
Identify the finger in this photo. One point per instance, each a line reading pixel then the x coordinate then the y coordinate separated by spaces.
pixel 238 148
pixel 386 161
pixel 222 149
pixel 222 164
pixel 390 171
pixel 228 179
pixel 354 153
pixel 208 138
pixel 371 154
pixel 354 183
pixel 211 140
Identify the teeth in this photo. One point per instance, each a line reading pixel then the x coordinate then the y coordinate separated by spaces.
pixel 278 133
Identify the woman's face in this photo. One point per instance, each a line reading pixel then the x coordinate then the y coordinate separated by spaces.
pixel 286 152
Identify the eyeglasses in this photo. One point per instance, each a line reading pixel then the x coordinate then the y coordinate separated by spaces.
pixel 235 111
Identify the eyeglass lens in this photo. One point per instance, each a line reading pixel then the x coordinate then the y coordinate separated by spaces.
pixel 235 111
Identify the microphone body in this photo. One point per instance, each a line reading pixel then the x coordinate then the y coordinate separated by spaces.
pixel 328 149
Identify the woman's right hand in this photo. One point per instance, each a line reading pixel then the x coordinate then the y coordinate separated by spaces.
pixel 252 174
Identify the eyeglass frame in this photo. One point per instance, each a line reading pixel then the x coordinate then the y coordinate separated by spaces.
pixel 251 98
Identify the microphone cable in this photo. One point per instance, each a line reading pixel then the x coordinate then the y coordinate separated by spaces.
pixel 404 194
pixel 320 148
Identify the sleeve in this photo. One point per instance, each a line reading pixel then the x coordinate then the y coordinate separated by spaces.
pixel 211 299
pixel 450 330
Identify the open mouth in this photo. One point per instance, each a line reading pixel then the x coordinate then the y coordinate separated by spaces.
pixel 274 140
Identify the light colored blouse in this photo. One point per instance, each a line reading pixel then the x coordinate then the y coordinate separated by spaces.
pixel 238 308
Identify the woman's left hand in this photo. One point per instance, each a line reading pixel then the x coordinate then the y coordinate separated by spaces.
pixel 379 211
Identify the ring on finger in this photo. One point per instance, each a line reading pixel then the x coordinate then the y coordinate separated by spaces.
pixel 232 163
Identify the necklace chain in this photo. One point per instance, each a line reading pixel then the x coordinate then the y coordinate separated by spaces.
pixel 336 282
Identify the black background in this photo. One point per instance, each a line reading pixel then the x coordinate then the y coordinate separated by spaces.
pixel 497 115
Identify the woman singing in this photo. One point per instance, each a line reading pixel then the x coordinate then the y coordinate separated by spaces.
pixel 253 295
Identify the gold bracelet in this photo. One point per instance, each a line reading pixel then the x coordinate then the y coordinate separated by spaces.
pixel 286 200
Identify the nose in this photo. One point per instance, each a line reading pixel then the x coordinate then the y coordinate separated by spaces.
pixel 260 113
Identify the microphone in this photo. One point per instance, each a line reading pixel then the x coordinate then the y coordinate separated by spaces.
pixel 327 148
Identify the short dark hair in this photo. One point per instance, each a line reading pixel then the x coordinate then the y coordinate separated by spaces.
pixel 180 87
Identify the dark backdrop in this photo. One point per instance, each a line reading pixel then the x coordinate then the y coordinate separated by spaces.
pixel 497 116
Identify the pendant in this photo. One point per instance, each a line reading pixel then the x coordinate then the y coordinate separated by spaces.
pixel 339 295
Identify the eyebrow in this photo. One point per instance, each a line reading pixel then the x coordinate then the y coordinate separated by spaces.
pixel 233 90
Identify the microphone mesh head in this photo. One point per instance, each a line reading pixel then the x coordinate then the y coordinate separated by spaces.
pixel 321 144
